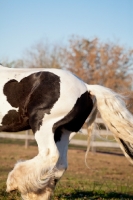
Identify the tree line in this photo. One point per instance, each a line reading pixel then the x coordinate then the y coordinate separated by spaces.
pixel 108 64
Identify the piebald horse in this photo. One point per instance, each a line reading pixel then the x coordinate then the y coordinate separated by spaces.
pixel 54 103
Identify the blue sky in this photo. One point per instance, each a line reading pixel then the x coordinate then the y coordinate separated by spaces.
pixel 25 23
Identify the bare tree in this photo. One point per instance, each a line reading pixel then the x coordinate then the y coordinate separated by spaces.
pixel 42 56
pixel 12 64
pixel 107 64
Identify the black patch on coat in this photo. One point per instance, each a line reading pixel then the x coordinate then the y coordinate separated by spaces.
pixel 34 96
pixel 12 122
pixel 128 148
pixel 75 119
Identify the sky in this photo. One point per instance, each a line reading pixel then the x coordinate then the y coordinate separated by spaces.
pixel 25 23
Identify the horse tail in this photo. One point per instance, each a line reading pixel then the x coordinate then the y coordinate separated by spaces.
pixel 115 115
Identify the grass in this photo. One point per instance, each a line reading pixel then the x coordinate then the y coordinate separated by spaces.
pixel 75 190
pixel 109 176
pixel 93 191
pixel 78 190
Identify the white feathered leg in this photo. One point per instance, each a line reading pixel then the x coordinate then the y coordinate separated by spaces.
pixel 34 178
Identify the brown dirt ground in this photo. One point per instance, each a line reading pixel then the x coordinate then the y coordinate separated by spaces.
pixel 107 172
pixel 103 167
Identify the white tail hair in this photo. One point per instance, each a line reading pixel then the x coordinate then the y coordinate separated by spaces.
pixel 116 116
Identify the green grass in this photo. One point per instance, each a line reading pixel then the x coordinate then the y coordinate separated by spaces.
pixel 80 187
pixel 17 141
pixel 105 138
pixel 90 192
pixel 78 183
pixel 78 190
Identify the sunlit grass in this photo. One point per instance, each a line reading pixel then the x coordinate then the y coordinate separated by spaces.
pixel 78 190
pixel 109 176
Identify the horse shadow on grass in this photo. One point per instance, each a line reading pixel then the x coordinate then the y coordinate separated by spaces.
pixel 84 195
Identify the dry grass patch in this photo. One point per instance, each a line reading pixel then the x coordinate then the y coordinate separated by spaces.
pixel 109 176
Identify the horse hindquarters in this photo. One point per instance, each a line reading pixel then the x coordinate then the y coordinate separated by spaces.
pixel 48 117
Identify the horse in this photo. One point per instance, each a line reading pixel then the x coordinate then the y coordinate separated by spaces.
pixel 55 103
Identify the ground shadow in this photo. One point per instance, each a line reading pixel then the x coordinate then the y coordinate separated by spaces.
pixel 82 195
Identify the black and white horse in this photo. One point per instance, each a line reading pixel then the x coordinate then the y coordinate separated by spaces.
pixel 55 104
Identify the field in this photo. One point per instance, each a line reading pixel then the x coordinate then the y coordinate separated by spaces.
pixel 109 176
